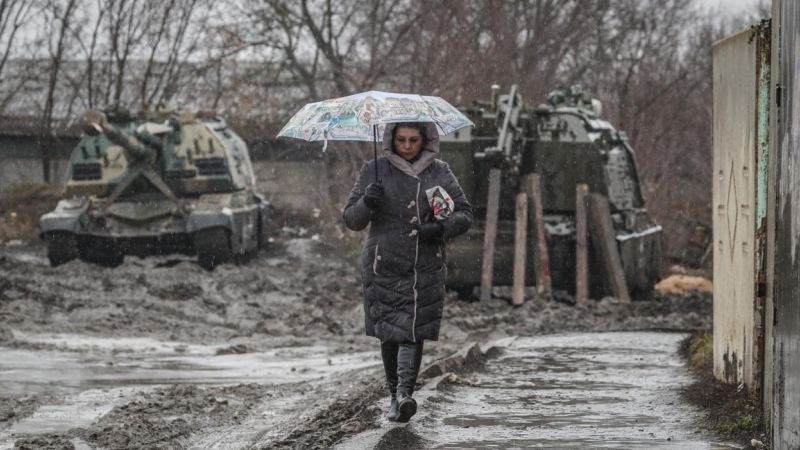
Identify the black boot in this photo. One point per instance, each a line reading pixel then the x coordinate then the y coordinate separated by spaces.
pixel 389 355
pixel 409 358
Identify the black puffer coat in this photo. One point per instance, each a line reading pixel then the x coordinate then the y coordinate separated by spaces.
pixel 404 275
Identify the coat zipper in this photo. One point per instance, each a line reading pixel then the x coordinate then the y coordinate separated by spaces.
pixel 416 256
pixel 375 261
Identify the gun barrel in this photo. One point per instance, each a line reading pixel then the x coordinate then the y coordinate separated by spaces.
pixel 136 148
pixel 95 122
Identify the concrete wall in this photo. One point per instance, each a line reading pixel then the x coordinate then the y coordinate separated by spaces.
pixel 15 170
pixel 20 160
pixel 288 184
pixel 294 184
pixel 735 135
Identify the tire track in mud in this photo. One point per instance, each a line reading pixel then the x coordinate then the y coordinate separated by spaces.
pixel 271 419
pixel 277 422
pixel 160 418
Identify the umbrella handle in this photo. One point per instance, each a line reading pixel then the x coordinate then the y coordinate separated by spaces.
pixel 375 150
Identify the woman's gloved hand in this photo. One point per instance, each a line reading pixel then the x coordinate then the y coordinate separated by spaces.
pixel 431 230
pixel 373 196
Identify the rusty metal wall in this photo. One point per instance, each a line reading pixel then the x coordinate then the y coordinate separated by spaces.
pixel 786 366
pixel 735 135
pixel 763 159
pixel 769 316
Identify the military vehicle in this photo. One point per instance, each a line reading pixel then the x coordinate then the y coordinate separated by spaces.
pixel 566 143
pixel 156 184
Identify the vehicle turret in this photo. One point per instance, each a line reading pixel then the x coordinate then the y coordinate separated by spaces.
pixel 140 145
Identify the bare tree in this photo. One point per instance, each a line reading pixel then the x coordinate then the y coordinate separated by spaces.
pixel 157 36
pixel 91 88
pixel 188 33
pixel 335 48
pixel 386 31
pixel 59 17
pixel 648 60
pixel 289 27
pixel 258 60
pixel 14 14
pixel 328 36
pixel 128 23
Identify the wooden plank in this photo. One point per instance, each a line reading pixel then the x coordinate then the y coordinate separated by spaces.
pixel 581 246
pixel 490 233
pixel 601 230
pixel 532 187
pixel 520 248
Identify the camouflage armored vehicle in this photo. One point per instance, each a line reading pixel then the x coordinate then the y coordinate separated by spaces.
pixel 165 183
pixel 566 143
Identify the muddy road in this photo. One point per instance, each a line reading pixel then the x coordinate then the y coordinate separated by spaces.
pixel 571 391
pixel 268 353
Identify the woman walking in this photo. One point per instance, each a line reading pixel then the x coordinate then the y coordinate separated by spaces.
pixel 413 206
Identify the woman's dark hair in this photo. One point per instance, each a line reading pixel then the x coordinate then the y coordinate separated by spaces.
pixel 419 126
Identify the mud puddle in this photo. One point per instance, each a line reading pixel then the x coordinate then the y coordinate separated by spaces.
pixel 606 390
pixel 88 376
pixel 132 362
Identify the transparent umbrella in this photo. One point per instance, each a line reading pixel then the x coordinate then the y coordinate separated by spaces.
pixel 362 117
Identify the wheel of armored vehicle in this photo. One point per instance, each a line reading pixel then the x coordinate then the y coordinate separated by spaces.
pixel 62 247
pixel 213 247
pixel 263 238
pixel 262 223
pixel 102 252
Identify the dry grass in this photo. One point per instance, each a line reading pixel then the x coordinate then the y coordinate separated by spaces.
pixel 732 413
pixel 21 209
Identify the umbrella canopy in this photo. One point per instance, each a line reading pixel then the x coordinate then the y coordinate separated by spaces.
pixel 362 117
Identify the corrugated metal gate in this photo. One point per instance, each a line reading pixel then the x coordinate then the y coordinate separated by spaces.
pixel 786 333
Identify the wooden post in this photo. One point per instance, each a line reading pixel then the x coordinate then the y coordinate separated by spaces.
pixel 490 233
pixel 520 248
pixel 532 186
pixel 581 247
pixel 604 242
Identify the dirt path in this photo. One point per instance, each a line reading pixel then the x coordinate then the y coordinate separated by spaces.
pixel 269 353
pixel 604 390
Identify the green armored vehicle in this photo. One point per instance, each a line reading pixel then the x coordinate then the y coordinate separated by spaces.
pixel 566 143
pixel 157 184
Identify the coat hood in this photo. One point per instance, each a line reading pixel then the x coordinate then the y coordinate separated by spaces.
pixel 429 151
